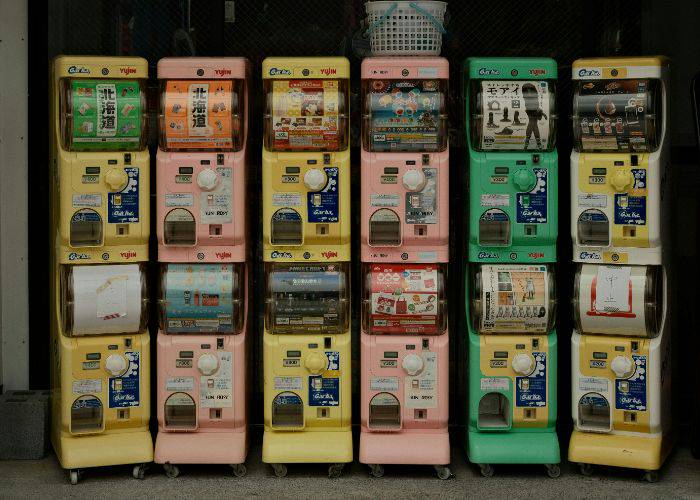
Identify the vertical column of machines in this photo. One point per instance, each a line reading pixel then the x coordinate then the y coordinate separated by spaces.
pixel 405 250
pixel 510 292
pixel 202 248
pixel 620 348
pixel 100 402
pixel 306 251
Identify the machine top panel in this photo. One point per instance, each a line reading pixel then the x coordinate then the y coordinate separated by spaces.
pixel 405 67
pixel 306 67
pixel 203 67
pixel 517 68
pixel 620 67
pixel 99 67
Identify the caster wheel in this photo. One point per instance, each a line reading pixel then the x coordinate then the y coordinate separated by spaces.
pixel 280 470
pixel 651 476
pixel 239 470
pixel 139 471
pixel 74 476
pixel 172 471
pixel 443 471
pixel 334 470
pixel 486 470
pixel 553 470
pixel 586 469
pixel 376 470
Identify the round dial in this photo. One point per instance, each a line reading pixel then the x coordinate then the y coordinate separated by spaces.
pixel 622 366
pixel 116 179
pixel 523 363
pixel 207 179
pixel 620 180
pixel 116 364
pixel 315 363
pixel 315 179
pixel 413 179
pixel 524 180
pixel 413 364
pixel 207 364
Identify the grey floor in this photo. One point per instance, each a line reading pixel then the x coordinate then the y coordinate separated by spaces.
pixel 680 478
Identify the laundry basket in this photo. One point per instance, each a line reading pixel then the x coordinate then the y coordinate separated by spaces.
pixel 405 28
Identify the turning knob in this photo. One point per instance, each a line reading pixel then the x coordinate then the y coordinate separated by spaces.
pixel 207 179
pixel 523 364
pixel 116 179
pixel 315 363
pixel 524 180
pixel 413 180
pixel 620 180
pixel 315 179
pixel 207 364
pixel 622 366
pixel 413 364
pixel 116 364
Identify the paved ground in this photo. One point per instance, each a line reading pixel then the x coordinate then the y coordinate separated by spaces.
pixel 680 478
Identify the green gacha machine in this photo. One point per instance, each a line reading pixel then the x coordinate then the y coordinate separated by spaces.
pixel 510 285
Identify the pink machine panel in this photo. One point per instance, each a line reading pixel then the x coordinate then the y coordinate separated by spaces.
pixel 405 160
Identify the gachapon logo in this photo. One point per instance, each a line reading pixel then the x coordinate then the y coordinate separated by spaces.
pixel 280 255
pixel 328 71
pixel 82 70
pixel 589 256
pixel 488 255
pixel 78 256
pixel 588 72
pixel 489 72
pixel 127 71
pixel 222 72
pixel 280 72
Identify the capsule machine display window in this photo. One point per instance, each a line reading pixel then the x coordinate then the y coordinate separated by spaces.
pixel 307 298
pixel 86 415
pixel 286 227
pixel 180 412
pixel 384 228
pixel 384 412
pixel 180 228
pixel 287 411
pixel 593 228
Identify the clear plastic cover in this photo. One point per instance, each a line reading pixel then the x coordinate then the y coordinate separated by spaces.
pixel 307 298
pixel 306 115
pixel 617 115
pixel 513 298
pixel 287 411
pixel 404 299
pixel 202 298
pixel 103 114
pixel 384 412
pixel 404 115
pixel 103 299
pixel 201 115
pixel 180 228
pixel 593 228
pixel 286 227
pixel 384 228
pixel 86 229
pixel 180 412
pixel 86 415
pixel 619 300
pixel 494 228
pixel 513 115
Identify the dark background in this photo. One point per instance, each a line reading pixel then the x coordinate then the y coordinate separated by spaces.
pixel 564 30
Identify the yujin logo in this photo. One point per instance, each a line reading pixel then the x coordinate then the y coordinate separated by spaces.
pixel 222 72
pixel 223 255
pixel 127 71
pixel 328 71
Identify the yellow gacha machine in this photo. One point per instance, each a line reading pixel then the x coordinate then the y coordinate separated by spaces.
pixel 99 231
pixel 306 250
pixel 620 352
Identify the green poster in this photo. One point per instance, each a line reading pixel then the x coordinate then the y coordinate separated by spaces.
pixel 106 114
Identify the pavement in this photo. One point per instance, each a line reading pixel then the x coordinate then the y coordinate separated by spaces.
pixel 680 478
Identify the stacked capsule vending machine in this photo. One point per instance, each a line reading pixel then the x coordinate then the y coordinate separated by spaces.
pixel 99 230
pixel 201 200
pixel 405 250
pixel 620 351
pixel 306 251
pixel 510 288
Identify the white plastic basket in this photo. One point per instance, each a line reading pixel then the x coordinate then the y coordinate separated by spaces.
pixel 405 28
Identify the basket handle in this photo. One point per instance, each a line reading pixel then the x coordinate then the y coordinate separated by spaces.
pixel 381 20
pixel 430 17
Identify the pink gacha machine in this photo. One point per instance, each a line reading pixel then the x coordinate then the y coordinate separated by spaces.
pixel 201 183
pixel 405 233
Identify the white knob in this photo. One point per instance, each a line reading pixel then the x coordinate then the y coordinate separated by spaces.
pixel 413 364
pixel 207 364
pixel 115 364
pixel 413 180
pixel 622 366
pixel 207 179
pixel 314 179
pixel 523 363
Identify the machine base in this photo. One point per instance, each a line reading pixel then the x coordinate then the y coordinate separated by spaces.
pixel 281 447
pixel 101 450
pixel 513 447
pixel 414 448
pixel 201 448
pixel 615 450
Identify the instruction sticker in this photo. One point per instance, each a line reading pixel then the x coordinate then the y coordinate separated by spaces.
pixel 288 383
pixel 495 200
pixel 179 384
pixel 179 199
pixel 593 384
pixel 631 393
pixel 123 207
pixel 384 384
pixel 87 200
pixel 217 391
pixel 124 391
pixel 87 386
pixel 324 389
pixel 322 206
pixel 531 391
pixel 286 199
pixel 489 384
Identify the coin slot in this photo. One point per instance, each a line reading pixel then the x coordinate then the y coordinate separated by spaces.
pixel 426 344
pixel 635 346
pixel 535 343
pixel 327 342
pixel 127 343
